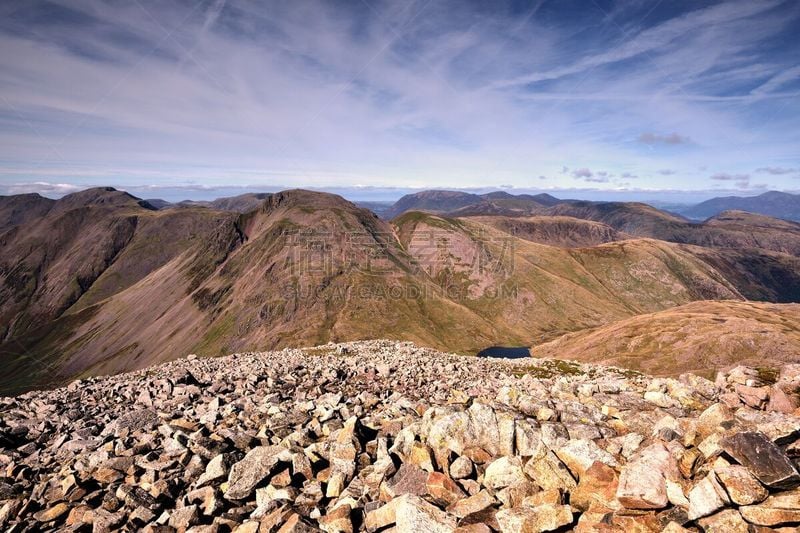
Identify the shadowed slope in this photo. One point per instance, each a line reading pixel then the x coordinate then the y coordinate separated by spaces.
pixel 22 208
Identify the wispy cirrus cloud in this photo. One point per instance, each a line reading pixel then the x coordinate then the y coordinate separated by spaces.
pixel 742 181
pixel 668 139
pixel 398 94
pixel 777 171
pixel 41 187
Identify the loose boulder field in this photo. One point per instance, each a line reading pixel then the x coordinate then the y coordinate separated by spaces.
pixel 387 436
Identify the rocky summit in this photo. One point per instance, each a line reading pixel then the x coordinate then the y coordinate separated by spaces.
pixel 387 436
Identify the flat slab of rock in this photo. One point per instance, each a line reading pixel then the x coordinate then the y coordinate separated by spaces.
pixel 763 458
pixel 252 470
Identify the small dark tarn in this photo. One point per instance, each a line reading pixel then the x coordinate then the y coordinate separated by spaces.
pixel 507 352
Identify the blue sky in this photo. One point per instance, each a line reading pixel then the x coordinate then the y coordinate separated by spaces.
pixel 186 99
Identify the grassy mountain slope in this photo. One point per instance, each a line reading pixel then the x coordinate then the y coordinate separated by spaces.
pixel 698 337
pixel 546 291
pixel 729 230
pixel 565 232
pixel 103 283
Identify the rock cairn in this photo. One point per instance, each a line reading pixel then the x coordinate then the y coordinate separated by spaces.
pixel 386 436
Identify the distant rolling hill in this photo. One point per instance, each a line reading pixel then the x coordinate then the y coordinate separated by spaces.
pixel 773 203
pixel 459 203
pixel 727 230
pixel 730 229
pixel 698 337
pixel 564 232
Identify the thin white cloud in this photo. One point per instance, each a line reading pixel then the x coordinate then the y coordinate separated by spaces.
pixel 650 39
pixel 669 139
pixel 40 187
pixel 777 171
pixel 311 94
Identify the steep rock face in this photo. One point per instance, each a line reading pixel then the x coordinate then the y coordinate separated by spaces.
pixel 370 435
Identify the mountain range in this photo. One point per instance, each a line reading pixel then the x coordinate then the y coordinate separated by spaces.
pixel 100 281
pixel 773 203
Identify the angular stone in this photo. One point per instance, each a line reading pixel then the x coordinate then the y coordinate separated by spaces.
pixel 727 521
pixel 338 520
pixel 706 497
pixel 484 423
pixel 473 504
pixel 598 483
pixel 443 490
pixel 741 486
pixel 451 432
pixel 769 517
pixel 717 416
pixel 546 517
pixel 206 498
pixel 553 496
pixel 461 468
pixel 295 523
pixel 550 473
pixel 252 470
pixel 528 439
pixel 675 494
pixel 412 513
pixel 762 458
pixel 382 516
pixel 133 421
pixel 782 508
pixel 514 495
pixel 473 528
pixel 420 455
pixel 674 527
pixel 183 518
pixel 409 479
pixel 136 496
pixel 52 513
pixel 642 483
pixel 503 472
pixel 579 455
pixel 755 397
pixel 216 469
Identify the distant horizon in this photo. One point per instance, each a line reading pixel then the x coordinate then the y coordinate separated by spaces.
pixel 392 194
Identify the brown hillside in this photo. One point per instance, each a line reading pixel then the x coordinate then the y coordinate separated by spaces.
pixel 699 337
pixel 564 232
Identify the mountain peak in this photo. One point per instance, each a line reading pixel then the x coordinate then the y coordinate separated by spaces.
pixel 100 196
